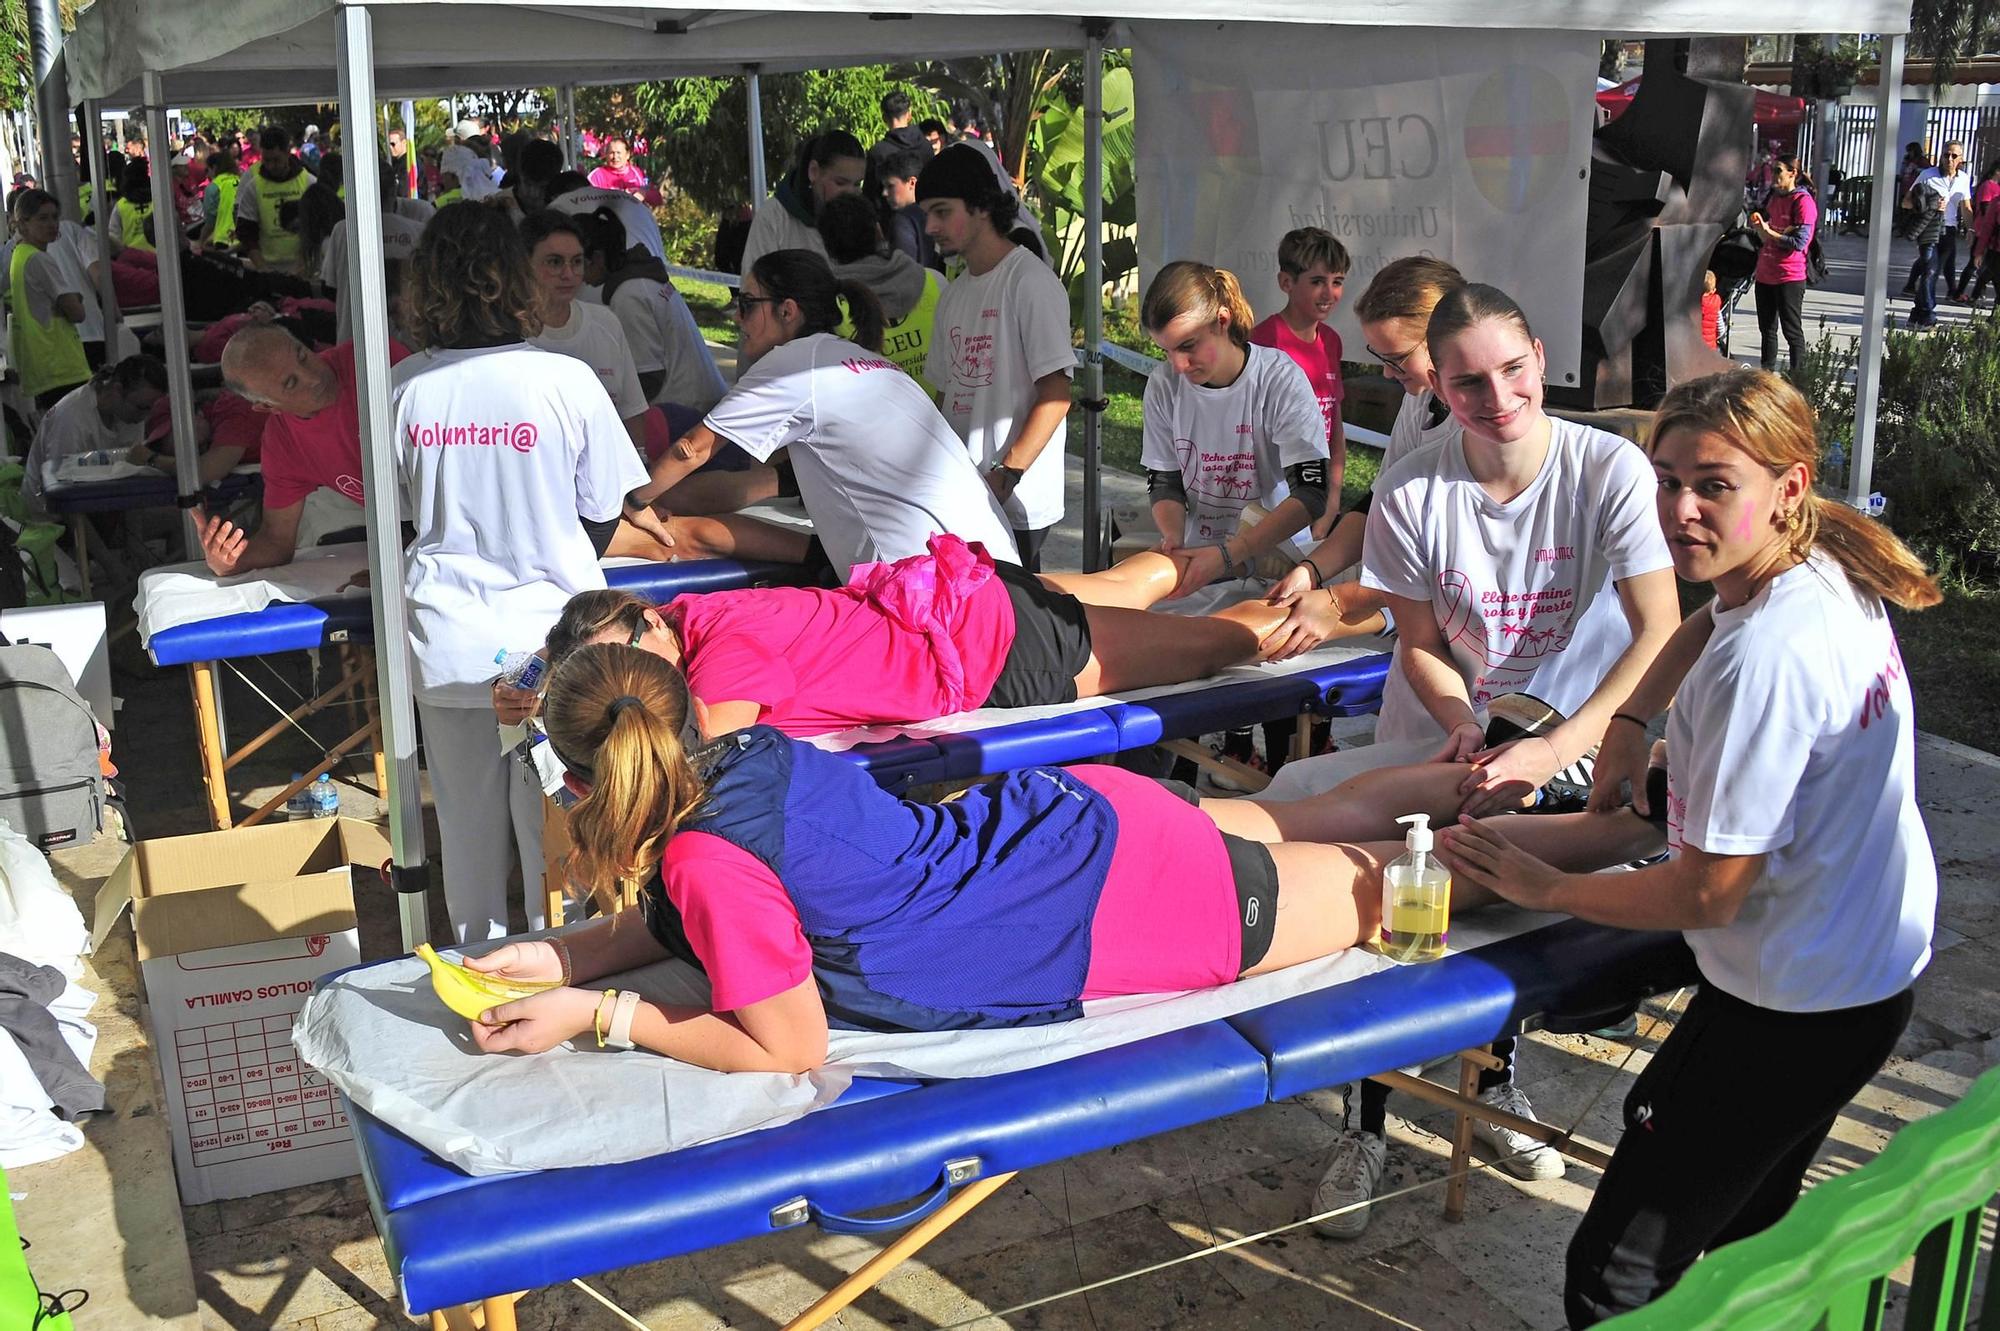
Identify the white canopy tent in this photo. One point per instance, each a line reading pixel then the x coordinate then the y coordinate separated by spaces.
pixel 250 52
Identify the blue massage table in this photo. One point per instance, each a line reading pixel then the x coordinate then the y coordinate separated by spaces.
pixel 348 624
pixel 158 490
pixel 454 1240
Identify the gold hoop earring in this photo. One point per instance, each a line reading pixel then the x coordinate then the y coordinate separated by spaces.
pixel 1793 522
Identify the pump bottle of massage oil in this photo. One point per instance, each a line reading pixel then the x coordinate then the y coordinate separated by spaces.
pixel 1416 898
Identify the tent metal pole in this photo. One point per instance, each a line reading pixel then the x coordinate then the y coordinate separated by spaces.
pixel 754 96
pixel 572 133
pixel 368 297
pixel 1875 286
pixel 1094 531
pixel 52 111
pixel 173 301
pixel 107 290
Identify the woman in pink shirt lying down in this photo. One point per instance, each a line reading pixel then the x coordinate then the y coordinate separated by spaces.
pixel 923 637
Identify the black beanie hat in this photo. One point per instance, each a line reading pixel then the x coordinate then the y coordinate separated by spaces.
pixel 959 172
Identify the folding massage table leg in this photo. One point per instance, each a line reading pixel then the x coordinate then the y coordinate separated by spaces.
pixel 1466 1108
pixel 912 1240
pixel 1242 774
pixel 217 761
pixel 494 1314
pixel 79 527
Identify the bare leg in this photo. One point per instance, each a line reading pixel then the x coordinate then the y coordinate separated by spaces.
pixel 1133 583
pixel 1329 899
pixel 728 537
pixel 1362 808
pixel 1135 649
pixel 722 491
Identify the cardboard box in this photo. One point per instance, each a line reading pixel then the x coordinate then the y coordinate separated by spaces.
pixel 233 928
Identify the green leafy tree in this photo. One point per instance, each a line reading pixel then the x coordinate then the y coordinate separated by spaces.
pixel 17 67
pixel 1055 150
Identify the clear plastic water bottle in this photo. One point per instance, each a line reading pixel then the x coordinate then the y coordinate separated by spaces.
pixel 521 670
pixel 325 797
pixel 96 457
pixel 300 805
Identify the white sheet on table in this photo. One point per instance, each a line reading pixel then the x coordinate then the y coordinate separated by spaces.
pixel 383 1038
pixel 189 594
pixel 985 718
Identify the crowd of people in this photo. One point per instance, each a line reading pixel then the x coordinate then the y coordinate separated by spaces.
pixel 554 403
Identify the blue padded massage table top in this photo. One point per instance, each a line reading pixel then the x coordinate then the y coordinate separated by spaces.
pixel 451 1238
pixel 289 626
pixel 158 490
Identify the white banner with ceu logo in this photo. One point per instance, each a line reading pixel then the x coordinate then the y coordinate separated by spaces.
pixel 1473 147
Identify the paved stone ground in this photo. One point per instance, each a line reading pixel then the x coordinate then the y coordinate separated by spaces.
pixel 308 1259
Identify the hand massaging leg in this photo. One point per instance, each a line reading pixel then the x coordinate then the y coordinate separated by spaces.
pixel 1136 649
pixel 730 536
pixel 1572 842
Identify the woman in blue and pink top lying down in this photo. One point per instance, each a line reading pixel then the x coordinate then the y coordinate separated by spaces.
pixel 926 636
pixel 814 900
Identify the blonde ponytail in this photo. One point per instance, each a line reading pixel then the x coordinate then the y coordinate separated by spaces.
pixel 615 717
pixel 1768 419
pixel 1185 287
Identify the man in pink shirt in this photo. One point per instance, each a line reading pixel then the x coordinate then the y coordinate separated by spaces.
pixel 312 439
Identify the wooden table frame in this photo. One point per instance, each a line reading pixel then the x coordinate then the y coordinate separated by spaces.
pixel 357 671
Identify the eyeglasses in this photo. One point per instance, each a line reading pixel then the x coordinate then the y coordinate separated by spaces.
pixel 745 302
pixel 639 632
pixel 1394 363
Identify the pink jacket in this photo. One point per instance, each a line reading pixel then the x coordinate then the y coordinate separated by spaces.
pixel 1793 216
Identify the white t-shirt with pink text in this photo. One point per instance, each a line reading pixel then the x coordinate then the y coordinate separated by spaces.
pixel 1794 737
pixel 1511 584
pixel 499 450
pixel 879 471
pixel 1231 445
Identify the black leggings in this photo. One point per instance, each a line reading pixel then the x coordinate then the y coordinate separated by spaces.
pixel 1989 271
pixel 1782 303
pixel 1719 1130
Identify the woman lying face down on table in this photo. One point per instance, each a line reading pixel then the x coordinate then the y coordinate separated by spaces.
pixel 921 638
pixel 814 900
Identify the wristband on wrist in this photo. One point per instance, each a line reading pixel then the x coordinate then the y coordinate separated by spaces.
pixel 597 1017
pixel 562 955
pixel 619 1036
pixel 1627 716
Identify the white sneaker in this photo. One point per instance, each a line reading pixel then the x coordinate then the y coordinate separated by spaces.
pixel 1350 1181
pixel 1520 1155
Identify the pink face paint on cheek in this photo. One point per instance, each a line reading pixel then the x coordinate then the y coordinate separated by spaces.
pixel 1745 528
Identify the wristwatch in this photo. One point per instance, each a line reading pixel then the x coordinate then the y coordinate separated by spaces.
pixel 1003 469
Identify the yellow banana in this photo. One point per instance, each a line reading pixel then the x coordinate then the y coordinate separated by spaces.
pixel 469 993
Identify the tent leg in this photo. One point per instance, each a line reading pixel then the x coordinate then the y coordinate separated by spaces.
pixel 173 304
pixel 754 96
pixel 1094 527
pixel 369 300
pixel 1875 286
pixel 107 290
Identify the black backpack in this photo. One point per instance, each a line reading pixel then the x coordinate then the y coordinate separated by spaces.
pixel 1816 269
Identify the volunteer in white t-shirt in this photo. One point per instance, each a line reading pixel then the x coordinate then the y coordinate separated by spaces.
pixel 877 468
pixel 1227 423
pixel 106 413
pixel 571 193
pixel 1000 355
pixel 828 164
pixel 592 334
pixel 505 452
pixel 1492 549
pixel 1800 871
pixel 400 235
pixel 667 347
pixel 1394 311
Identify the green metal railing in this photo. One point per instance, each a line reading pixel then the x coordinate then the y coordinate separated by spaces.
pixel 1827 1264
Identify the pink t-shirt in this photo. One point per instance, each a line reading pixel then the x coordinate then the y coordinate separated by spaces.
pixel 1319 358
pixel 630 178
pixel 1165 922
pixel 815 660
pixel 1777 261
pixel 301 455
